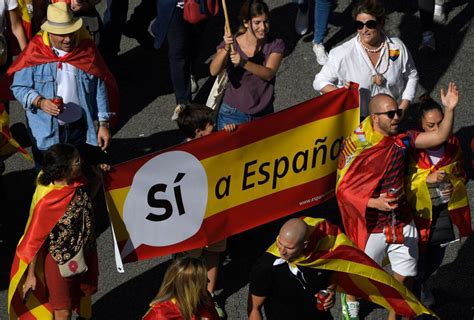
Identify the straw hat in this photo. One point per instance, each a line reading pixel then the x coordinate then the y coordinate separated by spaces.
pixel 60 19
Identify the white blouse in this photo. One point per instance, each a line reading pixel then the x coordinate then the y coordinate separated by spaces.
pixel 350 62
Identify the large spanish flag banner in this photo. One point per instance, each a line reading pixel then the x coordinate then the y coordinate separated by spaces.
pixel 329 249
pixel 210 188
pixel 419 198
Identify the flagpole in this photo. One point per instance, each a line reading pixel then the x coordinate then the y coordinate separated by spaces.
pixel 227 21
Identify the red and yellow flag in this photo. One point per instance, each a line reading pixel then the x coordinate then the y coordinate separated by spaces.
pixel 213 187
pixel 329 249
pixel 356 181
pixel 47 207
pixel 8 144
pixel 418 196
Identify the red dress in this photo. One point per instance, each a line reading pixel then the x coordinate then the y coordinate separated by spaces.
pixel 168 310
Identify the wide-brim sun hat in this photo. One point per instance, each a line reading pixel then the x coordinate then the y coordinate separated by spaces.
pixel 60 19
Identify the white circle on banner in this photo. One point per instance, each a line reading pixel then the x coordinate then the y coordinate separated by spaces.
pixel 167 200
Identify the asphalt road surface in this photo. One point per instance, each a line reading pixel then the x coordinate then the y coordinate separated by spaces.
pixel 147 105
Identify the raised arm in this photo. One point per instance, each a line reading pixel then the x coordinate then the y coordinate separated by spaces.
pixel 432 139
pixel 222 56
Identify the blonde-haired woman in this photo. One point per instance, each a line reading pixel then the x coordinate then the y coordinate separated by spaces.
pixel 183 293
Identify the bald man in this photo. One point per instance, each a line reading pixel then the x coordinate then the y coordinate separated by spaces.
pixel 372 163
pixel 285 290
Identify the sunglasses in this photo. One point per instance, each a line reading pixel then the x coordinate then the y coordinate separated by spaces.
pixel 391 114
pixel 371 24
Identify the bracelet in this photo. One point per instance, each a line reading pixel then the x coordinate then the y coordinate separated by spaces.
pixel 38 103
pixel 226 50
pixel 104 124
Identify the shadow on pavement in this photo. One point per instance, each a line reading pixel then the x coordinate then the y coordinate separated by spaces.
pixel 131 299
pixel 452 285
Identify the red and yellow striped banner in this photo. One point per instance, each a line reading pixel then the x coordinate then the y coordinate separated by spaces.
pixel 329 249
pixel 211 188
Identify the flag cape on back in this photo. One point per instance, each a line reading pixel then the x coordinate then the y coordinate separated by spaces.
pixel 213 187
pixel 53 201
pixel 418 196
pixel 8 145
pixel 329 249
pixel 356 181
pixel 84 56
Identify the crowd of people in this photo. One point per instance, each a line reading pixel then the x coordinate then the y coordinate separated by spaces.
pixel 400 192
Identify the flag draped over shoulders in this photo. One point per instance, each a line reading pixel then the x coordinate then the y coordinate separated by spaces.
pixel 84 56
pixel 8 144
pixel 48 205
pixel 362 163
pixel 330 249
pixel 418 196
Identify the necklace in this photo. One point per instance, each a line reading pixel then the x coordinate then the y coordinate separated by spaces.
pixel 378 79
pixel 372 50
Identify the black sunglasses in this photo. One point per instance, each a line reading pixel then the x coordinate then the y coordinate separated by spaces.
pixel 391 114
pixel 371 24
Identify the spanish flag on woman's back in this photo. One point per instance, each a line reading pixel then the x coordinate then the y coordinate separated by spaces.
pixel 329 249
pixel 419 198
pixel 47 207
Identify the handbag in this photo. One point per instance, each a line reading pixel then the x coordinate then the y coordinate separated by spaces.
pixel 3 50
pixel 77 264
pixel 196 11
pixel 217 92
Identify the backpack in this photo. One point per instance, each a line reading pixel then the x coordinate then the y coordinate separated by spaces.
pixel 196 11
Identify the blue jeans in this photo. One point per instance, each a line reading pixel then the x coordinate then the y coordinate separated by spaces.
pixel 322 9
pixel 228 115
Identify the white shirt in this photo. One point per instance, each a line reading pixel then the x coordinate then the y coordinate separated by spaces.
pixel 350 62
pixel 67 89
pixel 6 5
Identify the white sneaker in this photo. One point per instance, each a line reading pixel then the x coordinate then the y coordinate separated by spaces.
pixel 439 14
pixel 194 85
pixel 301 22
pixel 321 54
pixel 176 112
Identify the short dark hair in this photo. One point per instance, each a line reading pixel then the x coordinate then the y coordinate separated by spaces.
pixel 57 161
pixel 372 7
pixel 195 116
pixel 424 104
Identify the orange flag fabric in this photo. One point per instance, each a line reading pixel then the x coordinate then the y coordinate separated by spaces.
pixel 418 196
pixel 358 274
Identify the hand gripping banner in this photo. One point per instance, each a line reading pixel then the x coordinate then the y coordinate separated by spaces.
pixel 208 189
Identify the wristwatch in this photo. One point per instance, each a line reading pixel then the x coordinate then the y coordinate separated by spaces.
pixel 104 124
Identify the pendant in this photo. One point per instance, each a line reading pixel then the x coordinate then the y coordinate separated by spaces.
pixel 378 79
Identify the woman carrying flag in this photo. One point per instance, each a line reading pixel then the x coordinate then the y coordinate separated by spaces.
pixel 436 191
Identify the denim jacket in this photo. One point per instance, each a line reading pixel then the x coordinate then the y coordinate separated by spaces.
pixel 30 82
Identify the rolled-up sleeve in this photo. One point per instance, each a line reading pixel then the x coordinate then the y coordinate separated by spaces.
pixel 411 79
pixel 328 74
pixel 102 100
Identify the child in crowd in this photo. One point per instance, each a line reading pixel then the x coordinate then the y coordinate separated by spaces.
pixel 197 121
